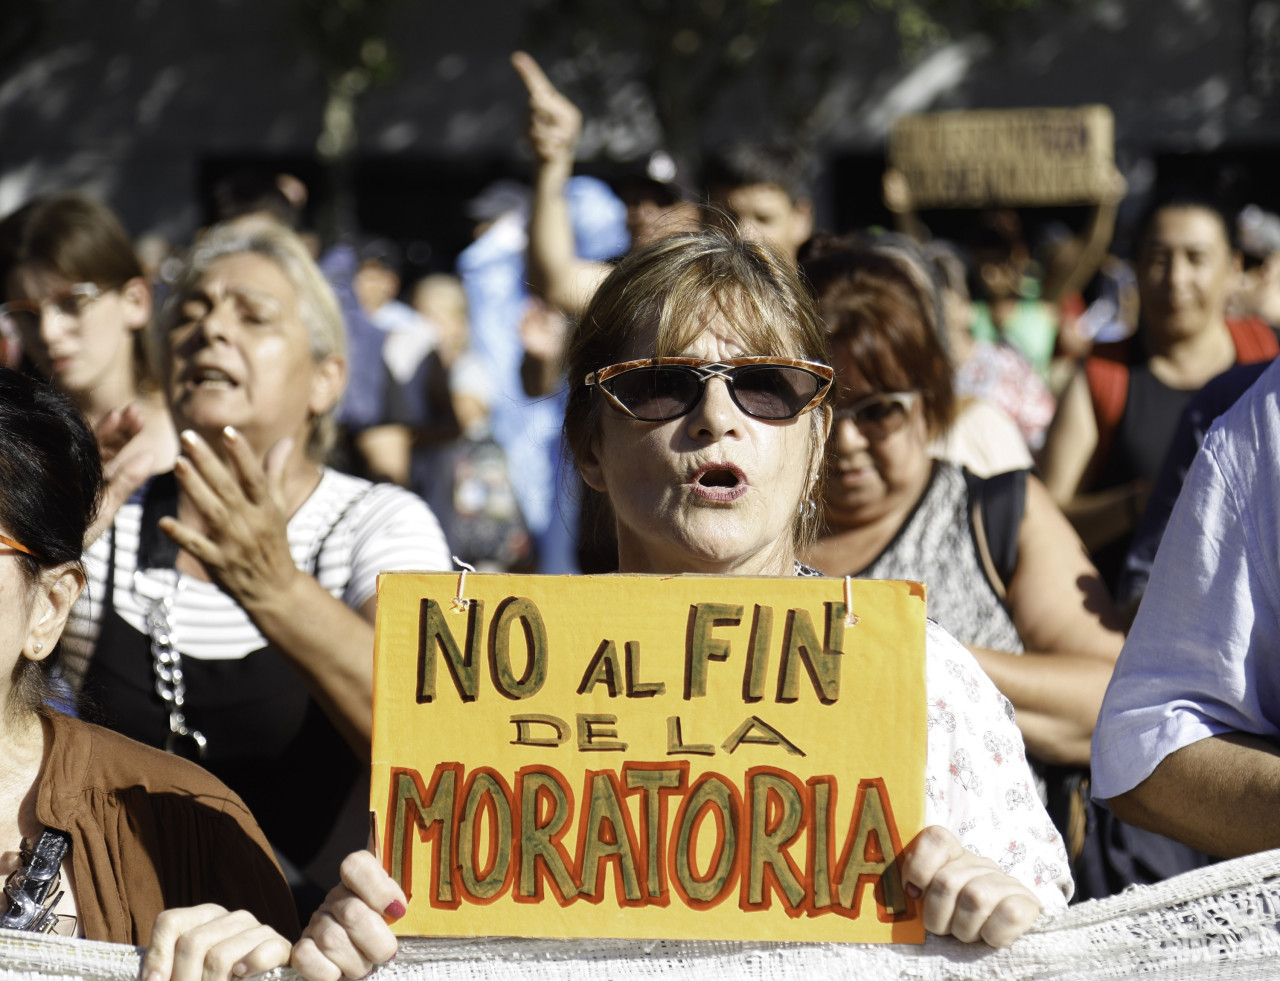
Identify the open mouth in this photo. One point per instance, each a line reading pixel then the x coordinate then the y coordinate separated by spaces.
pixel 719 482
pixel 719 478
pixel 210 378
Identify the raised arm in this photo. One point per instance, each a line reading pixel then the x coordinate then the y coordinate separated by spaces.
pixel 1072 634
pixel 897 198
pixel 1070 442
pixel 1079 259
pixel 555 271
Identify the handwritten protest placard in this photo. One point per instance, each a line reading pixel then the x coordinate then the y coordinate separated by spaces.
pixel 988 157
pixel 645 756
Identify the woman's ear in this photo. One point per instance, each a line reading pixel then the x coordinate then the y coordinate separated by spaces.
pixel 591 470
pixel 327 384
pixel 135 296
pixel 57 591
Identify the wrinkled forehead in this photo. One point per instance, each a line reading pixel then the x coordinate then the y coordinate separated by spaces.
pixel 243 275
pixel 731 317
pixel 242 266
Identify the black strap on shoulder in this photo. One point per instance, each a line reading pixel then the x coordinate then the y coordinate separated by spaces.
pixel 1001 501
pixel 322 540
pixel 156 550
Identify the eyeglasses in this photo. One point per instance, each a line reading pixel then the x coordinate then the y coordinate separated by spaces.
pixel 658 389
pixel 881 415
pixel 23 316
pixel 16 545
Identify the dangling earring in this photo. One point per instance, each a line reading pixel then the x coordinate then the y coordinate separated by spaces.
pixel 809 507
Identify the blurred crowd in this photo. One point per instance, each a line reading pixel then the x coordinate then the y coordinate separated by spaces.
pixel 1017 409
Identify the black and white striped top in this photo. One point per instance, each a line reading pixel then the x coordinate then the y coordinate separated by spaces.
pixel 364 529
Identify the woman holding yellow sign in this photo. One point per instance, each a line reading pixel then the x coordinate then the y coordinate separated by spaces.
pixel 698 407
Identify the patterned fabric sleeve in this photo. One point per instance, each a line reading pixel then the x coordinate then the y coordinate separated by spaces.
pixel 977 781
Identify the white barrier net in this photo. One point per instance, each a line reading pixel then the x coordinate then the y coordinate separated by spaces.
pixel 1222 923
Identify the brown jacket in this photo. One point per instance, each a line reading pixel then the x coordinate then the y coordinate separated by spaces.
pixel 149 832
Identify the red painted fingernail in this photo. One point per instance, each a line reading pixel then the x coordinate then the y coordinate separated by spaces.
pixel 913 890
pixel 395 910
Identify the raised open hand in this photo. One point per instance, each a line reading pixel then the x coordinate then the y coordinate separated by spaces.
pixel 126 464
pixel 244 544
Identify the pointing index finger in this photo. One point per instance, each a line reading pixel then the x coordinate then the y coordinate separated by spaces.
pixel 531 73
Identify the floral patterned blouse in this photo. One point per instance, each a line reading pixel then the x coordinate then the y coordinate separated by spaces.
pixel 977 782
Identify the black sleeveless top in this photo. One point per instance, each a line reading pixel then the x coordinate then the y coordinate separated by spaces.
pixel 268 738
pixel 1151 413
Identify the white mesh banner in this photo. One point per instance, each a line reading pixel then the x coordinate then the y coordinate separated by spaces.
pixel 1220 923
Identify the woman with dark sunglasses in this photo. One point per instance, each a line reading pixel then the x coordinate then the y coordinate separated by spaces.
pixel 1006 573
pixel 699 407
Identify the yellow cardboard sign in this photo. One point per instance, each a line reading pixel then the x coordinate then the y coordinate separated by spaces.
pixel 648 757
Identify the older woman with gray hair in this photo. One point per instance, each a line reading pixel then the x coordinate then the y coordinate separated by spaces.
pixel 231 602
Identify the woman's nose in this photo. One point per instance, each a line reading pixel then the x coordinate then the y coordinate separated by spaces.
pixel 1178 270
pixel 52 324
pixel 216 323
pixel 716 415
pixel 849 438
